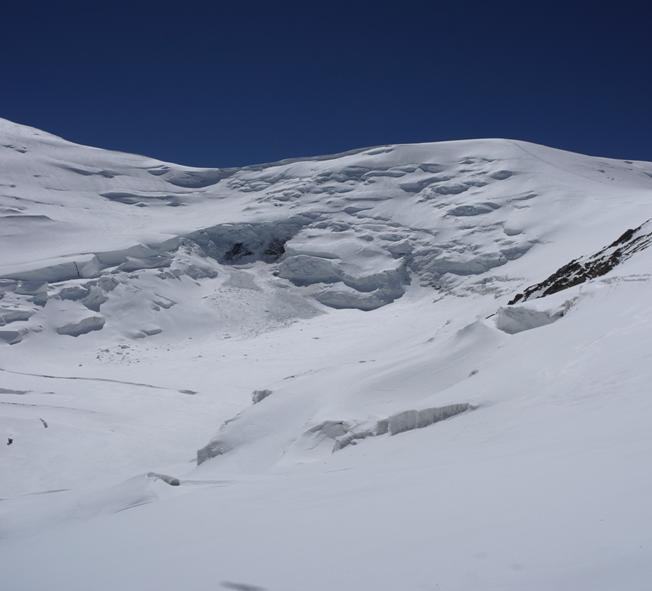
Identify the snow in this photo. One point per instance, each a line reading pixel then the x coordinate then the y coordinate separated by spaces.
pixel 331 338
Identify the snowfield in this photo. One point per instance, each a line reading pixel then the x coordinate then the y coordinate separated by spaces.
pixel 419 367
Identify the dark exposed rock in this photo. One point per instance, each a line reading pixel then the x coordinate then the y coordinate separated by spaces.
pixel 258 395
pixel 589 267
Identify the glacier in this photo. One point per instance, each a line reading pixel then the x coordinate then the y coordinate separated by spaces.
pixel 400 367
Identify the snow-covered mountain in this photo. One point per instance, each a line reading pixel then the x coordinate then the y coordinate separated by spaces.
pixel 403 367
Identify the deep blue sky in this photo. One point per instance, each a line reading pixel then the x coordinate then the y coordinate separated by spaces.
pixel 216 83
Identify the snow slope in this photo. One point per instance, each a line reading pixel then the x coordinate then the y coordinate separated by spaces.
pixel 408 429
